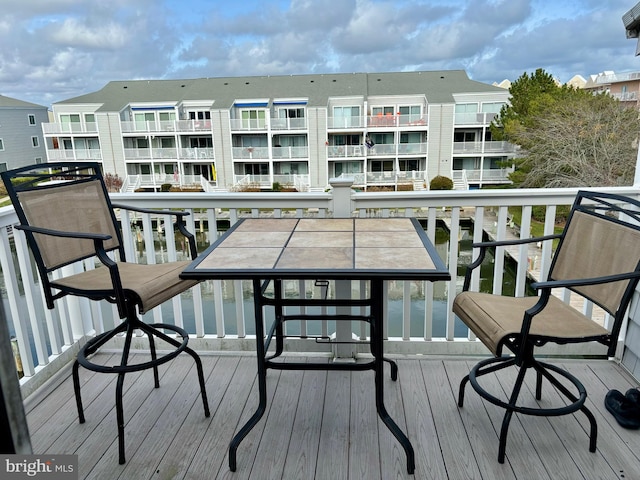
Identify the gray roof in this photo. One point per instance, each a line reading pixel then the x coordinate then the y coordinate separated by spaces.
pixel 8 102
pixel 437 86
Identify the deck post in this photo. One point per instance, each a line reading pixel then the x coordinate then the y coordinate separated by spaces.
pixel 342 209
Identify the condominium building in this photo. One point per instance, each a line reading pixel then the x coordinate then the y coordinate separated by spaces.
pixel 21 139
pixel 392 130
pixel 623 86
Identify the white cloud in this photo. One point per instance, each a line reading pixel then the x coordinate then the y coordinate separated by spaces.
pixel 72 32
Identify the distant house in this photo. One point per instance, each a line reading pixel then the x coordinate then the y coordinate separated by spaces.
pixel 21 138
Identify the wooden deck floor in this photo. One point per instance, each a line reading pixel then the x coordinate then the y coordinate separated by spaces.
pixel 323 425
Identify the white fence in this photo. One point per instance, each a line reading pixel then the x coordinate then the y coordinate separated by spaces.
pixel 419 317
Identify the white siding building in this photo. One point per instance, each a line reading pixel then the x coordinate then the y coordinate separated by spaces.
pixel 392 130
pixel 21 140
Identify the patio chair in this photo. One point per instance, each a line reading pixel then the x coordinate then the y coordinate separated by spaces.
pixel 597 257
pixel 68 219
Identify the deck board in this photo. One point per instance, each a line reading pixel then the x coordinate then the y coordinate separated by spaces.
pixel 323 425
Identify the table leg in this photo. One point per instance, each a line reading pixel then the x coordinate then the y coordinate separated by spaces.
pixel 262 379
pixel 378 352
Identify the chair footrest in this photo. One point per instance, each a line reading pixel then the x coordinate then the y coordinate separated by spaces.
pixel 494 364
pixel 93 345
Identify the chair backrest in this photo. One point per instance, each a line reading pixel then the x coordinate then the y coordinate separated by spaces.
pixel 601 238
pixel 70 197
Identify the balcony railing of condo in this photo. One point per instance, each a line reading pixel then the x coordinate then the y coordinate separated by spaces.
pixel 71 127
pixel 163 126
pixel 483 147
pixel 214 312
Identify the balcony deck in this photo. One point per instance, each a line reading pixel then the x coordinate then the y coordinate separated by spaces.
pixel 323 425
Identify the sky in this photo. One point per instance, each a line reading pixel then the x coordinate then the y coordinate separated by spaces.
pixel 53 50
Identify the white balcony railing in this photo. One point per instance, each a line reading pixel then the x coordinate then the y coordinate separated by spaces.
pixel 291 152
pixel 72 127
pixel 74 154
pixel 216 313
pixel 483 147
pixel 288 123
pixel 389 120
pixel 474 118
pixel 345 151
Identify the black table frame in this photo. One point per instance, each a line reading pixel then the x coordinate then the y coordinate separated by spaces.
pixel 375 302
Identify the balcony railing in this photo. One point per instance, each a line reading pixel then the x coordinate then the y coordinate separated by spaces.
pixel 288 123
pixel 250 153
pixel 180 126
pixel 59 154
pixel 215 312
pixel 291 152
pixel 474 118
pixel 73 127
pixel 389 120
pixel 483 147
pixel 345 151
pixel 265 182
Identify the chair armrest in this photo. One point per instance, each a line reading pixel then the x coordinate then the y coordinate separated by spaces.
pixel 498 243
pixel 179 223
pixel 581 282
pixel 515 241
pixel 178 213
pixel 61 233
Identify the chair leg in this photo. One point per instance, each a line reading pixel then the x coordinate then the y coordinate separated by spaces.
pixel 152 348
pixel 463 384
pixel 504 430
pixel 538 385
pixel 76 391
pixel 203 390
pixel 120 418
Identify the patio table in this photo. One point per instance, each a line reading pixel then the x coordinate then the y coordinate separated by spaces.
pixel 270 250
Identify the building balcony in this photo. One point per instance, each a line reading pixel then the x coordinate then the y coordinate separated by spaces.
pixel 94 154
pixel 345 123
pixel 179 126
pixel 345 151
pixel 290 152
pixel 395 149
pixel 53 129
pixel 476 148
pixel 481 119
pixel 250 153
pixel 320 424
pixel 288 123
pixel 389 120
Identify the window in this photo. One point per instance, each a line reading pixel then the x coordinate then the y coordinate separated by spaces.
pixel 382 111
pixel 32 119
pixel 35 142
pixel 466 108
pixel 1 144
pixel 3 167
pixel 411 115
pixel 346 117
pixel 141 120
pixel 70 123
pixel 464 136
pixel 253 118
pixel 291 113
pixel 493 107
pixel 200 115
pixel 167 116
pixel 38 160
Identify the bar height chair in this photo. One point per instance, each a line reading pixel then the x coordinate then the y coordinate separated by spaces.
pixel 67 217
pixel 597 257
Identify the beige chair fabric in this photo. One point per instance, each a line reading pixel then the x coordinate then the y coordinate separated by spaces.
pixel 152 284
pixel 494 318
pixel 72 208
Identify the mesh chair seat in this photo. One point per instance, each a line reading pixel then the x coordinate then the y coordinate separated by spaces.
pixel 495 318
pixel 151 285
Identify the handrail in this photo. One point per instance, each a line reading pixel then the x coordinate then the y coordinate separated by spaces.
pixel 214 312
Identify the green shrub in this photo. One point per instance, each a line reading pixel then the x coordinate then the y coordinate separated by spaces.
pixel 440 182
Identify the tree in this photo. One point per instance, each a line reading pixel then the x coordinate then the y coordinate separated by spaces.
pixel 581 141
pixel 569 137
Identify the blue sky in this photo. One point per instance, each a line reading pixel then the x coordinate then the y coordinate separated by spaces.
pixel 52 50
